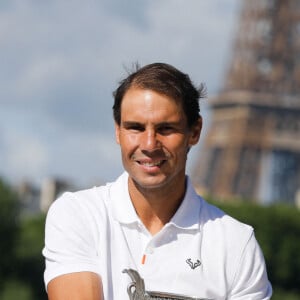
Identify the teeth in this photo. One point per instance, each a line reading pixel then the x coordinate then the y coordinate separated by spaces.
pixel 152 164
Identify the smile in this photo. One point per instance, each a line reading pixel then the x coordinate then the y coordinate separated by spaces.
pixel 151 164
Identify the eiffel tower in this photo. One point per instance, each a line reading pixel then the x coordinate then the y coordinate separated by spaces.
pixel 252 149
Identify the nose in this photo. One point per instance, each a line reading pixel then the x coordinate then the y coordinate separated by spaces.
pixel 149 141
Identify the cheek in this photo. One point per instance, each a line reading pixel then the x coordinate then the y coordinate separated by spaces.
pixel 178 147
pixel 128 140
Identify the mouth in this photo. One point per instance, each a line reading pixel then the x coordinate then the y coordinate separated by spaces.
pixel 150 164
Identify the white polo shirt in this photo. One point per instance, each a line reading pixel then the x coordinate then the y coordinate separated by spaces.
pixel 201 252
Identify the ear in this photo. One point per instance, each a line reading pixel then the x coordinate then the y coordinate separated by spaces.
pixel 195 132
pixel 117 132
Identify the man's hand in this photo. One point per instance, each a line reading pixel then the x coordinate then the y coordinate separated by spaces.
pixel 76 286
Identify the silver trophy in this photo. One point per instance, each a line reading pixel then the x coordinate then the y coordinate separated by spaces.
pixel 136 290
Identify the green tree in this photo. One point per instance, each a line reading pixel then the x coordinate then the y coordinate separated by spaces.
pixel 29 255
pixel 14 289
pixel 9 226
pixel 21 243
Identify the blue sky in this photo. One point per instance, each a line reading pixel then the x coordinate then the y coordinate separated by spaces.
pixel 61 60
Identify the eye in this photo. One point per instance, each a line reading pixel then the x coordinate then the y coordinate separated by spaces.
pixel 137 128
pixel 166 129
pixel 134 127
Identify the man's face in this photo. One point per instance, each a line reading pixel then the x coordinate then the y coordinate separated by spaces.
pixel 154 138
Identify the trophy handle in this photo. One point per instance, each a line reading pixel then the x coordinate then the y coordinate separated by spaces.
pixel 136 290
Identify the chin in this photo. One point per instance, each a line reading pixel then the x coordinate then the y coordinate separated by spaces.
pixel 152 182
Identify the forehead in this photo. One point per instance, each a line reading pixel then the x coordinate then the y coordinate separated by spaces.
pixel 146 102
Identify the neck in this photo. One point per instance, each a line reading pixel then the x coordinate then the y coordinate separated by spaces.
pixel 156 206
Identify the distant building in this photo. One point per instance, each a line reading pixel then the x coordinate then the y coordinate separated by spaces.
pixel 51 189
pixel 29 196
pixel 252 149
pixel 36 200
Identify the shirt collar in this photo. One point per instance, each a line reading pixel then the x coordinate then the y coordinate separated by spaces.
pixel 122 208
pixel 186 217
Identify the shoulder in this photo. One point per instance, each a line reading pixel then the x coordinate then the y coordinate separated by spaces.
pixel 231 243
pixel 76 224
pixel 80 202
pixel 211 214
pixel 88 207
pixel 79 218
pixel 224 228
pixel 94 204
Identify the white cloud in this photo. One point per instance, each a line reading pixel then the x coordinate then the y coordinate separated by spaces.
pixel 26 156
pixel 86 158
pixel 62 59
pixel 43 73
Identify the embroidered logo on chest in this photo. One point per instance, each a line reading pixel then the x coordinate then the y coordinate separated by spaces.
pixel 193 265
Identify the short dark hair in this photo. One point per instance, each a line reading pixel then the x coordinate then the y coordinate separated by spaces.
pixel 164 79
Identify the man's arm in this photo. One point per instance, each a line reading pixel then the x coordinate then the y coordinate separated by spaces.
pixel 76 286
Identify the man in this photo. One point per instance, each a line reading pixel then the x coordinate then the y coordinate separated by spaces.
pixel 148 235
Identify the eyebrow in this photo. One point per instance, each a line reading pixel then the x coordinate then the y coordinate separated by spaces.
pixel 131 123
pixel 135 123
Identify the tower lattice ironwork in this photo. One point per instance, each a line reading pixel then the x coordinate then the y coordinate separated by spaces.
pixel 252 148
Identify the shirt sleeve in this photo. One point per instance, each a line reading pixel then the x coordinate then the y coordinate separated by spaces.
pixel 70 242
pixel 251 280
